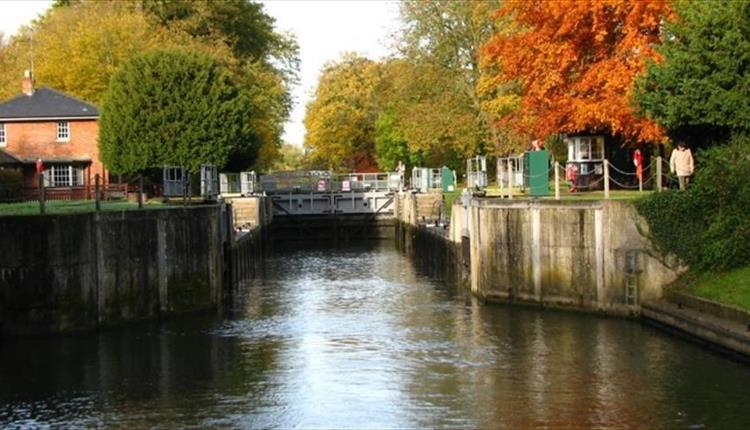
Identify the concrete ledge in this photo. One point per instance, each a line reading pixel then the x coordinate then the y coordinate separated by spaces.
pixel 727 335
pixel 710 307
pixel 560 303
pixel 526 203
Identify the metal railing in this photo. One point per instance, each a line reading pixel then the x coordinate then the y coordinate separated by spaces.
pixel 323 181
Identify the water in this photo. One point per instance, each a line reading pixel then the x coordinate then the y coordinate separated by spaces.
pixel 359 339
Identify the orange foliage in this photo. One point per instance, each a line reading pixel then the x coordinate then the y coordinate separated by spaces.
pixel 576 61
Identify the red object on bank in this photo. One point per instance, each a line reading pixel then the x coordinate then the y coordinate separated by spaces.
pixel 638 161
pixel 39 166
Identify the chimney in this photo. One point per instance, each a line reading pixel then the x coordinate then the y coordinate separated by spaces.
pixel 27 85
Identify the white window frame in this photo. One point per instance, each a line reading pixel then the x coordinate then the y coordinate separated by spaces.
pixel 588 144
pixel 63 176
pixel 3 135
pixel 63 131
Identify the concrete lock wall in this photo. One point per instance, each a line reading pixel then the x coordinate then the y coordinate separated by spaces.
pixel 590 255
pixel 250 212
pixel 63 272
pixel 416 208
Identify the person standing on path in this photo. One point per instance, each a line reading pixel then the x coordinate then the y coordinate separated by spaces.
pixel 681 163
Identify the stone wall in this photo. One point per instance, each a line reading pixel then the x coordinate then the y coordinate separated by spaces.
pixel 585 255
pixel 64 272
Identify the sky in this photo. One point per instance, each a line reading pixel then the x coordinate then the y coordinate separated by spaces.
pixel 324 30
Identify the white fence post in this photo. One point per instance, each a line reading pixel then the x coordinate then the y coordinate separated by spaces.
pixel 606 179
pixel 658 174
pixel 510 179
pixel 557 180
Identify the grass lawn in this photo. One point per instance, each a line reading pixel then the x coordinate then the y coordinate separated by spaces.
pixel 494 191
pixel 732 287
pixel 72 206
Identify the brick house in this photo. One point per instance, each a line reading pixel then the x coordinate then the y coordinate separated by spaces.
pixel 62 131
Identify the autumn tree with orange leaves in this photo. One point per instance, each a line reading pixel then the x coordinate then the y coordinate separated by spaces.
pixel 575 62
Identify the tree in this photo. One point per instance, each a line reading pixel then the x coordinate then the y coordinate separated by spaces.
pixel 390 144
pixel 422 102
pixel 442 103
pixel 291 158
pixel 340 120
pixel 79 44
pixel 170 107
pixel 263 61
pixel 700 90
pixel 575 62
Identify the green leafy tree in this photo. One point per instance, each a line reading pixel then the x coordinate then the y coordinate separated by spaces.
pixel 441 41
pixel 425 112
pixel 390 144
pixel 169 107
pixel 708 225
pixel 700 90
pixel 263 61
pixel 79 44
pixel 291 157
pixel 340 120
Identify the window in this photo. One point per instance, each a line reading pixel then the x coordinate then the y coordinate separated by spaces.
pixel 62 175
pixel 586 148
pixel 3 139
pixel 63 131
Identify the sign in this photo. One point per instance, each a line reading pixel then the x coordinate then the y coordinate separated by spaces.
pixel 321 184
pixel 346 186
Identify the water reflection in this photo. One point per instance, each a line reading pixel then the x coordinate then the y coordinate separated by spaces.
pixel 362 338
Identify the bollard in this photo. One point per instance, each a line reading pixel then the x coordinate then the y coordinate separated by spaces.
pixel 41 194
pixel 140 192
pixel 658 174
pixel 606 179
pixel 510 179
pixel 97 191
pixel 557 180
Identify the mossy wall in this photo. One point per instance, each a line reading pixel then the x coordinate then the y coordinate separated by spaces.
pixel 66 272
pixel 590 255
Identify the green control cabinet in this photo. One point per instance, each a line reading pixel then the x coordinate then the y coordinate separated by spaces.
pixel 448 179
pixel 536 177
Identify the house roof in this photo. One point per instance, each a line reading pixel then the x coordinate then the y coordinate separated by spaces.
pixel 7 158
pixel 46 103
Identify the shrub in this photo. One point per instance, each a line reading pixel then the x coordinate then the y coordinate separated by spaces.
pixel 172 107
pixel 707 226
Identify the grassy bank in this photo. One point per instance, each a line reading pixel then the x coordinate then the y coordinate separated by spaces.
pixel 732 287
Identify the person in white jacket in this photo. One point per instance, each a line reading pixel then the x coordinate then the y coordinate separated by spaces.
pixel 681 163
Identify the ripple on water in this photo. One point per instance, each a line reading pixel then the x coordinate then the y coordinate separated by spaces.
pixel 360 339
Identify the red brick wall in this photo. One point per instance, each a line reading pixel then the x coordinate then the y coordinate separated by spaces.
pixel 39 138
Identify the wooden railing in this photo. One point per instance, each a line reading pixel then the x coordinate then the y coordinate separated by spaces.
pixel 109 192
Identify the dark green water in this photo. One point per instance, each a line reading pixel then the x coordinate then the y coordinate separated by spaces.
pixel 360 339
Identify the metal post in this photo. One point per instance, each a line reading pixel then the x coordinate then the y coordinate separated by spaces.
pixel 640 182
pixel 97 193
pixel 184 185
pixel 606 179
pixel 140 191
pixel 510 179
pixel 658 174
pixel 41 194
pixel 557 180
